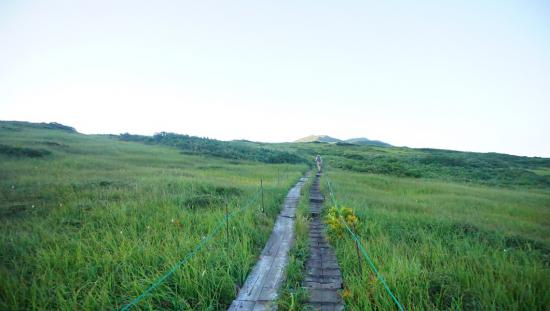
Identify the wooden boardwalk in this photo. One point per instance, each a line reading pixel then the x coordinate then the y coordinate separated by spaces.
pixel 260 289
pixel 323 278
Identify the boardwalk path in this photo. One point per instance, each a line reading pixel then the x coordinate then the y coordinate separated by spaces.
pixel 323 278
pixel 259 291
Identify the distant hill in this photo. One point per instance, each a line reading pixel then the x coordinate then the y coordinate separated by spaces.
pixel 366 141
pixel 318 138
pixel 355 141
pixel 237 150
pixel 18 125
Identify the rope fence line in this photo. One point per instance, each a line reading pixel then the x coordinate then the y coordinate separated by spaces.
pixel 219 226
pixel 364 251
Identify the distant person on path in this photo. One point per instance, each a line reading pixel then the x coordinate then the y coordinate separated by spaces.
pixel 319 163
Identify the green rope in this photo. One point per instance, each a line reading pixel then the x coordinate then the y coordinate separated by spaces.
pixel 373 267
pixel 364 252
pixel 191 254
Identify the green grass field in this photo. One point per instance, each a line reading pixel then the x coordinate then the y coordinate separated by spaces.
pixel 444 245
pixel 94 221
pixel 88 222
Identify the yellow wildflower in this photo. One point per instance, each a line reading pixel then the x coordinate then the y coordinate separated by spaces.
pixel 346 293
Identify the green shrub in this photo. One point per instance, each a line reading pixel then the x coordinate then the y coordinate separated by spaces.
pixel 20 152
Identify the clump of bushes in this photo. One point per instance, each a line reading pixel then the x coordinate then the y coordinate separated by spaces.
pixel 208 195
pixel 445 292
pixel 471 167
pixel 20 152
pixel 237 150
pixel 202 200
pixel 18 125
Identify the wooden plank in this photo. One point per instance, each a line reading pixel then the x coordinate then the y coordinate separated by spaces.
pixel 260 289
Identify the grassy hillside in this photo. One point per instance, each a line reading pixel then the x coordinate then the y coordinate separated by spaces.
pixel 88 222
pixel 493 169
pixel 238 150
pixel 445 245
pixel 448 230
pixel 366 141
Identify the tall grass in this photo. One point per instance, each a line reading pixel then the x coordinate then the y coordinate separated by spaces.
pixel 89 222
pixel 91 225
pixel 293 296
pixel 444 245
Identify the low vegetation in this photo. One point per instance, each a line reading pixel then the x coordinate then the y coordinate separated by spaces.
pixel 90 221
pixel 443 245
pixel 238 150
pixel 93 224
pixel 16 152
pixel 466 167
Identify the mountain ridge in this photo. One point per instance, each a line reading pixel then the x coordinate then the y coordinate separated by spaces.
pixel 331 140
pixel 318 138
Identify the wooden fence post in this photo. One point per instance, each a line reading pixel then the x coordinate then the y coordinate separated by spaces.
pixel 359 261
pixel 262 187
pixel 227 224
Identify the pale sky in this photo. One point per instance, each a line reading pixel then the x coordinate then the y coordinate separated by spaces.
pixel 463 75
